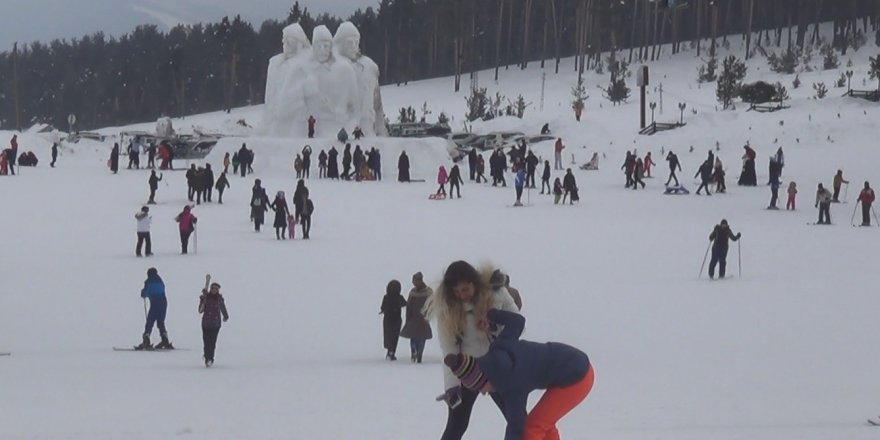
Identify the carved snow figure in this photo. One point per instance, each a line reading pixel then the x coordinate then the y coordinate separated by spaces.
pixel 371 115
pixel 285 82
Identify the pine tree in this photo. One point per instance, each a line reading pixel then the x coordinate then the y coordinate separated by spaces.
pixel 707 73
pixel 829 57
pixel 617 90
pixel 874 70
pixel 820 89
pixel 477 104
pixel 732 73
pixel 579 92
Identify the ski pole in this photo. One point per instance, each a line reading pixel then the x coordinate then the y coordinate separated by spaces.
pixel 852 220
pixel 845 191
pixel 875 216
pixel 706 255
pixel 739 261
pixel 196 240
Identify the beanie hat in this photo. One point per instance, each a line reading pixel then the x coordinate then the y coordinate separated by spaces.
pixel 417 278
pixel 466 369
pixel 497 279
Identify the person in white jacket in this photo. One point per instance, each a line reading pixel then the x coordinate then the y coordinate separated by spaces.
pixel 144 219
pixel 459 306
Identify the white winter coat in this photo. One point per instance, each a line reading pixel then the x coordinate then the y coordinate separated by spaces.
pixel 474 342
pixel 143 222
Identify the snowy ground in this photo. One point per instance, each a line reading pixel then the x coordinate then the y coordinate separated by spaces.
pixel 786 351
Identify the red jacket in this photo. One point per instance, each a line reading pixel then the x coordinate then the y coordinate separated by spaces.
pixel 866 196
pixel 559 146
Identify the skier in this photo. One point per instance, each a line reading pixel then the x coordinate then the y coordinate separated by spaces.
pixel 259 204
pixel 392 304
pixel 441 180
pixel 416 328
pixel 186 224
pixel 823 202
pixel 866 198
pixel 114 159
pixel 518 183
pixel 673 164
pixel 153 181
pixel 792 194
pixel 570 187
pixel 279 205
pixel 54 154
pixel 512 368
pixel 403 167
pixel 144 219
pixel 838 180
pixel 455 182
pixel 557 151
pixel 720 237
pixel 154 289
pixel 212 306
pixel 221 185
pixel 705 173
pixel 311 121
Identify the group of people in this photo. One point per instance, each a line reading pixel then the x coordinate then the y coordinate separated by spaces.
pixel 284 220
pixel 186 226
pixel 479 324
pixel 212 307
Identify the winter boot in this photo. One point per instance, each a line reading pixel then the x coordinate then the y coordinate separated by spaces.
pixel 165 344
pixel 145 345
pixel 419 358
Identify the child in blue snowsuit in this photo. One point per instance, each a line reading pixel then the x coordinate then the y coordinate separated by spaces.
pixel 513 368
pixel 154 289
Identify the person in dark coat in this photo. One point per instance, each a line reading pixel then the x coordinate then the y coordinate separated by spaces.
pixel 259 204
pixel 297 198
pixel 638 172
pixel 775 171
pixel 346 162
pixel 357 159
pixel 545 178
pixel 569 186
pixel 311 121
pixel 376 165
pixel 673 165
pixel 114 159
pixel 705 173
pixel 213 308
pixel 221 185
pixel 720 238
pixel 208 183
pixel 151 155
pixel 308 208
pixel 306 160
pixel 403 167
pixel 628 167
pixel 481 169
pixel 866 198
pixel 322 165
pixel 191 182
pixel 748 177
pixel 472 163
pixel 416 327
pixel 455 182
pixel 279 205
pixel 392 304
pixel 513 368
pixel 333 164
pixel 54 154
pixel 243 159
pixel 153 181
pixel 531 167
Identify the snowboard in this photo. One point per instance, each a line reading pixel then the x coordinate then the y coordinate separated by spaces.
pixel 437 197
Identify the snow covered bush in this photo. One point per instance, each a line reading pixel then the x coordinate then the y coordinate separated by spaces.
pixel 706 72
pixel 820 89
pixel 829 57
pixel 787 63
pixel 732 73
pixel 477 104
pixel 617 90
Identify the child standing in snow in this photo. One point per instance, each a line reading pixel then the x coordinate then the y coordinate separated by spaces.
pixel 792 193
pixel 442 177
pixel 212 307
pixel 291 225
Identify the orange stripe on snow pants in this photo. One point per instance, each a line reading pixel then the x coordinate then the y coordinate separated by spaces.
pixel 554 404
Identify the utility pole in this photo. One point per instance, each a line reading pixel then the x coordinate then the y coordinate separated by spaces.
pixel 543 80
pixel 661 98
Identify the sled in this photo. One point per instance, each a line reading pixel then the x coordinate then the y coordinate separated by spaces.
pixel 676 191
pixel 437 197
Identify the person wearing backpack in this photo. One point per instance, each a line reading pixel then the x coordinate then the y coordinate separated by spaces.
pixel 259 204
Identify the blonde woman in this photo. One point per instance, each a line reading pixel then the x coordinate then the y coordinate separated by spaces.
pixel 460 305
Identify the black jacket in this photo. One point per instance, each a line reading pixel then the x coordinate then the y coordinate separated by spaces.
pixel 721 236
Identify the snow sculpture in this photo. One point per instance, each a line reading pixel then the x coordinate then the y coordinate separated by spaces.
pixel 372 116
pixel 336 85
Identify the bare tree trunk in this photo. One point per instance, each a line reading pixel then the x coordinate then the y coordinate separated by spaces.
pixel 498 37
pixel 632 36
pixel 507 54
pixel 15 89
pixel 699 34
pixel 713 26
pixel 654 39
pixel 527 18
pixel 544 36
pixel 556 36
pixel 749 27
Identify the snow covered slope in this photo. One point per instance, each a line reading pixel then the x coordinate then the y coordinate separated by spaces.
pixel 785 351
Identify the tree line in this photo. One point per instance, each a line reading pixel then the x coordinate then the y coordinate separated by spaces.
pixel 198 68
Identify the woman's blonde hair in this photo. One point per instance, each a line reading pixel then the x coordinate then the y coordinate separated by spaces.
pixel 449 310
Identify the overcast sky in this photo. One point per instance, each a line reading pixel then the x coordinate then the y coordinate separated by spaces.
pixel 44 20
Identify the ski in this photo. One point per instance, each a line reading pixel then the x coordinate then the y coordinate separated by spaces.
pixel 148 349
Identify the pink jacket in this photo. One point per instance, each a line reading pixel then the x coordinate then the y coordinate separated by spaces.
pixel 442 176
pixel 186 220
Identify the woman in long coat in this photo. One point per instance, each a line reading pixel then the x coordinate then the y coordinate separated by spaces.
pixel 279 205
pixel 417 328
pixel 392 304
